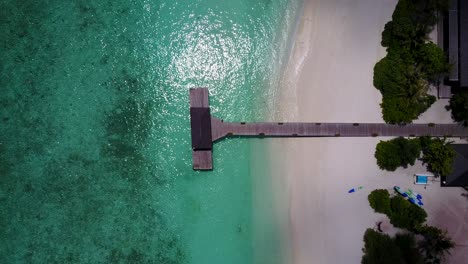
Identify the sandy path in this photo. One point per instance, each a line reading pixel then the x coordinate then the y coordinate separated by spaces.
pixel 329 79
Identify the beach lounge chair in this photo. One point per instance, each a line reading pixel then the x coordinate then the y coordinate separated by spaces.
pixel 423 179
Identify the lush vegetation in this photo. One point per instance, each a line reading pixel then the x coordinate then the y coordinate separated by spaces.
pixel 380 248
pixel 438 155
pixel 408 247
pixel 412 62
pixel 406 215
pixel 379 200
pixel 459 107
pixel 433 245
pixel 401 212
pixel 401 152
pixel 398 152
pixel 403 88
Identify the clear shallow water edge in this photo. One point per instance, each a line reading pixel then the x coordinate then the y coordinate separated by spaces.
pixel 95 163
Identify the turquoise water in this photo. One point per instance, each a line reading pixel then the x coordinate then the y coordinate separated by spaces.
pixel 95 159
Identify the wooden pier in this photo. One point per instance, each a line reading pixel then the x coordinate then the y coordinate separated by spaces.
pixel 207 129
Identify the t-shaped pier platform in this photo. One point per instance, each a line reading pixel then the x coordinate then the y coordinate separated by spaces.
pixel 207 129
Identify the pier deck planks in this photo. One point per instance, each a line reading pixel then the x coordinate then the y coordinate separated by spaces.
pixel 202 158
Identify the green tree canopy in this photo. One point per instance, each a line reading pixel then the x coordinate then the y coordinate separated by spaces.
pixel 387 156
pixel 407 244
pixel 379 200
pixel 396 110
pixel 436 244
pixel 390 74
pixel 401 212
pixel 432 61
pixel 404 86
pixel 459 107
pixel 406 215
pixel 412 62
pixel 388 37
pixel 411 21
pixel 439 155
pixel 410 150
pixel 380 249
pixel 397 152
pixel 432 249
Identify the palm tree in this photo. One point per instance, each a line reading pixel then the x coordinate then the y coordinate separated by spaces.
pixel 436 244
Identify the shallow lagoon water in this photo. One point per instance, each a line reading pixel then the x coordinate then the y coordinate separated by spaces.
pixel 95 159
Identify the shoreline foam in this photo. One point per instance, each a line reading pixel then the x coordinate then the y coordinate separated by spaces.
pixel 270 221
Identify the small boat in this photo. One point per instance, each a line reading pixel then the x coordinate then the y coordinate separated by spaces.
pixel 354 189
pixel 400 191
pixel 412 196
pixel 415 194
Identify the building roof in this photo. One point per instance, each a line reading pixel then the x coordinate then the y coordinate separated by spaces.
pixel 456 42
pixel 459 176
pixel 463 48
pixel 452 30
pixel 200 121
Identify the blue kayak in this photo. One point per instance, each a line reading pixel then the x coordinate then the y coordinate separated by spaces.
pixel 401 192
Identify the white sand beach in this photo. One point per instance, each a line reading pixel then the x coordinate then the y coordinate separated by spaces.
pixel 329 79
